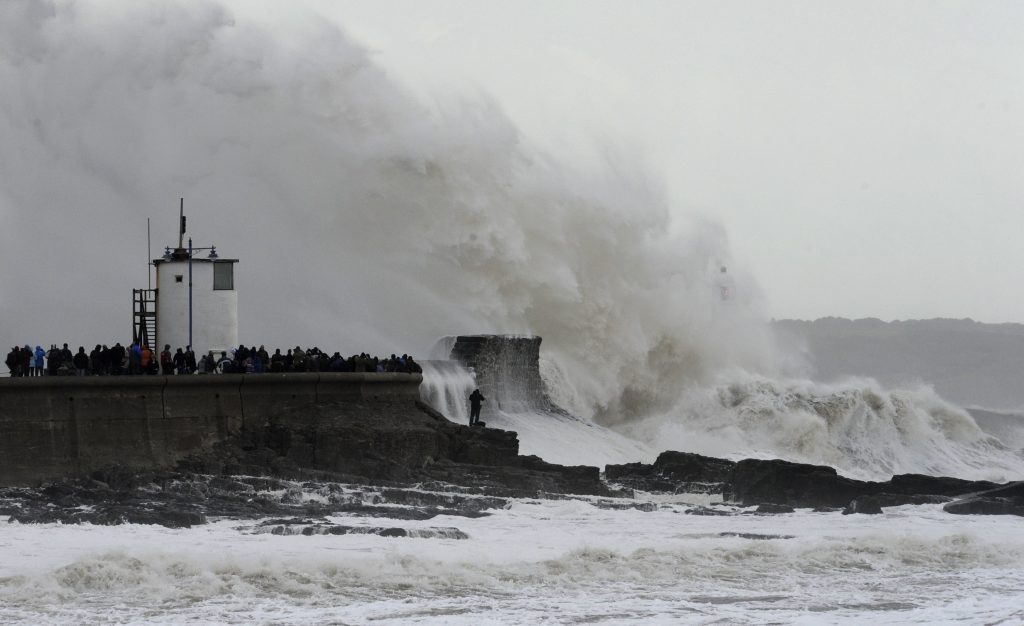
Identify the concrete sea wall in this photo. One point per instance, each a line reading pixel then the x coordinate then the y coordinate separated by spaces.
pixel 56 426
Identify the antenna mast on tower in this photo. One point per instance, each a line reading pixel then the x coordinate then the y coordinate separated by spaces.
pixel 181 224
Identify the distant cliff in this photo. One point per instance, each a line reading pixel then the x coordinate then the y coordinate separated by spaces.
pixel 968 362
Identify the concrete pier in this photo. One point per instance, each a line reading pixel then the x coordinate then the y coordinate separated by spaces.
pixel 55 426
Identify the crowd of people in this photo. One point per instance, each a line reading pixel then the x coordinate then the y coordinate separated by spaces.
pixel 139 359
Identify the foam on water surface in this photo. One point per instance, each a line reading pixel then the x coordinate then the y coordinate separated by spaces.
pixel 533 561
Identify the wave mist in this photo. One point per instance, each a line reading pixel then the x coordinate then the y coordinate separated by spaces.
pixel 365 219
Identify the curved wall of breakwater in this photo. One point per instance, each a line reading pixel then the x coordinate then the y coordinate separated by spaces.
pixel 56 426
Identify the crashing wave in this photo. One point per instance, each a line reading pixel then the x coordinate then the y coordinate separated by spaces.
pixel 858 427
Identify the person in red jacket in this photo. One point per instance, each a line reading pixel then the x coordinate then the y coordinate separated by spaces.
pixel 145 358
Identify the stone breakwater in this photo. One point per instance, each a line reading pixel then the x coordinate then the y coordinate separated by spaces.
pixel 176 450
pixel 54 426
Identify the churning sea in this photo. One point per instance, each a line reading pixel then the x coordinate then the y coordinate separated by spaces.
pixel 664 560
pixel 653 559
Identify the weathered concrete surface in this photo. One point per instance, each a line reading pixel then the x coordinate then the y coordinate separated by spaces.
pixel 274 394
pixel 55 426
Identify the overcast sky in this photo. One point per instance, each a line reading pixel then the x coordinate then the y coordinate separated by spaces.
pixel 865 158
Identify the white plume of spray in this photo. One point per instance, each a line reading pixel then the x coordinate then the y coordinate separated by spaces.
pixel 364 220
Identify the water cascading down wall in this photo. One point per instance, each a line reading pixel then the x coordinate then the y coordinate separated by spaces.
pixel 506 370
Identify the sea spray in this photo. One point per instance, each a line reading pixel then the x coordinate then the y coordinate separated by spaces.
pixel 365 220
pixel 858 427
pixel 446 387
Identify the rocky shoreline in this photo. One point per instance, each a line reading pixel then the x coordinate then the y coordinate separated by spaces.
pixel 784 485
pixel 300 469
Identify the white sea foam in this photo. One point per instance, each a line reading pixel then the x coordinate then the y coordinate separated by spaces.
pixel 858 427
pixel 561 562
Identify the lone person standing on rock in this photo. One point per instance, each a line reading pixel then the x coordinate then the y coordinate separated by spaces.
pixel 475 399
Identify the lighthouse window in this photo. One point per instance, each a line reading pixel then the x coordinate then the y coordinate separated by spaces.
pixel 177 278
pixel 223 276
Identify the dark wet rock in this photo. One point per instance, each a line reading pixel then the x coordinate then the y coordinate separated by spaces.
pixel 756 481
pixel 704 510
pixel 169 517
pixel 920 484
pixel 298 521
pixel 673 472
pixel 772 509
pixel 228 485
pixel 578 479
pixel 405 512
pixel 59 491
pixel 900 499
pixel 755 536
pixel 311 528
pixel 532 479
pixel 440 499
pixel 111 515
pixel 1004 500
pixel 693 468
pixel 619 505
pixel 867 505
pixel 183 500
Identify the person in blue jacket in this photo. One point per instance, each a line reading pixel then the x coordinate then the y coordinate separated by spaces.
pixel 39 361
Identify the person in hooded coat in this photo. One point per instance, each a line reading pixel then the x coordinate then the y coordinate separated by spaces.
pixel 475 400
pixel 26 360
pixel 135 359
pixel 190 360
pixel 180 363
pixel 54 359
pixel 166 361
pixel 81 361
pixel 39 360
pixel 13 362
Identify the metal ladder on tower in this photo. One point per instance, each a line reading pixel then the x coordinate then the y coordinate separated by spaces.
pixel 144 317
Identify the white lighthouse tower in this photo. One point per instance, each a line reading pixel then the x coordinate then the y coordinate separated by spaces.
pixel 195 300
